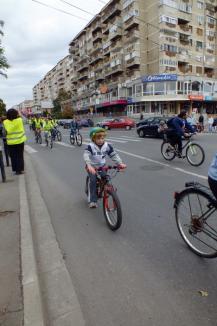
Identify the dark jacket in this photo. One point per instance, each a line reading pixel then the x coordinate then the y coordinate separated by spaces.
pixel 177 125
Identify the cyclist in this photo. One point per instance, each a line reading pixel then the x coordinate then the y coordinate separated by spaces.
pixel 74 126
pixel 38 126
pixel 177 127
pixel 212 175
pixel 47 127
pixel 95 157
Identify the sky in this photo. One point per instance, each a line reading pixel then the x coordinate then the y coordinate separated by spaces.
pixel 36 38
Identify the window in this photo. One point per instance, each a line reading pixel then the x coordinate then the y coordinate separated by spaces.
pixel 199 45
pixel 199 4
pixel 159 88
pixel 169 48
pixel 147 88
pixel 199 70
pixel 200 20
pixel 168 19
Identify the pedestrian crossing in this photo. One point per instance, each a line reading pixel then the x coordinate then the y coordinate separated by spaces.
pixel 119 140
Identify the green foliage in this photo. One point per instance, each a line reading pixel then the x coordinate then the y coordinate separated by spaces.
pixel 2 108
pixel 3 61
pixel 56 111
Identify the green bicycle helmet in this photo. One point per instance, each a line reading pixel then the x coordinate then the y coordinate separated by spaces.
pixel 95 131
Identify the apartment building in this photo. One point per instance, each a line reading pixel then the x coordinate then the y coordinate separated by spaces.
pixel 152 56
pixel 58 78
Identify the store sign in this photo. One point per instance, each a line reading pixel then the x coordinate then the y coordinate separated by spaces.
pixel 159 78
pixel 208 98
pixel 196 97
pixel 130 100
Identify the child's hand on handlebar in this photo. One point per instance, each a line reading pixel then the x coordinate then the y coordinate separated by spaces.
pixel 122 166
pixel 91 169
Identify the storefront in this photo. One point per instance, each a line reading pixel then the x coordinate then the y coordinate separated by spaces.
pixel 111 108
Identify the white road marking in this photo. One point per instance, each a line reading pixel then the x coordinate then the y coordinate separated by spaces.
pixel 113 140
pixel 64 144
pixel 164 164
pixel 129 139
pixel 29 149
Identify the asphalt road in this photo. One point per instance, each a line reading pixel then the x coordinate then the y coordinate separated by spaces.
pixel 143 274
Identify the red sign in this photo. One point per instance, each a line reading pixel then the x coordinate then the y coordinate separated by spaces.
pixel 114 102
pixel 196 97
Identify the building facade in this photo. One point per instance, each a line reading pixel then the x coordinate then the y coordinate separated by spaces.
pixel 155 57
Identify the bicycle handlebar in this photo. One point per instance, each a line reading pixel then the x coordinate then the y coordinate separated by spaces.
pixel 109 167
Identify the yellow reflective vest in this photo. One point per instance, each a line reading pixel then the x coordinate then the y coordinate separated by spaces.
pixel 15 133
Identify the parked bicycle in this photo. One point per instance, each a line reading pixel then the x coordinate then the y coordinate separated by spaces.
pixel 2 167
pixel 48 139
pixel 193 152
pixel 196 218
pixel 75 137
pixel 38 138
pixel 106 191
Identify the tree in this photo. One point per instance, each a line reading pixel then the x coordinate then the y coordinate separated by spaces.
pixel 2 108
pixel 67 113
pixel 57 109
pixel 3 61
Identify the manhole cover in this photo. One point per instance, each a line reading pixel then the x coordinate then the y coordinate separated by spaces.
pixel 152 167
pixel 5 213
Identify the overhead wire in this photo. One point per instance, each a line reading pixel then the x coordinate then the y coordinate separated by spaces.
pixel 60 10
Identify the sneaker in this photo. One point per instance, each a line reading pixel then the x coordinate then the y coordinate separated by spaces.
pixel 93 205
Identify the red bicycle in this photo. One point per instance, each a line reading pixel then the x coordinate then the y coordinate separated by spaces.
pixel 106 191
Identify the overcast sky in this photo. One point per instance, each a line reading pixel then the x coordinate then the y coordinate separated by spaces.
pixel 35 39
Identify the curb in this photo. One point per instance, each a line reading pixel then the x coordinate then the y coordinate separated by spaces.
pixel 33 313
pixel 58 295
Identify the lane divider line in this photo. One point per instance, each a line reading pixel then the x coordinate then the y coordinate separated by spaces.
pixel 163 164
pixel 29 149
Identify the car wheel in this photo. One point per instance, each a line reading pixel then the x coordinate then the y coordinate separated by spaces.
pixel 141 133
pixel 127 127
pixel 106 127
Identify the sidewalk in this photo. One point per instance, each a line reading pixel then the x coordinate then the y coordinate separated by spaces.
pixel 11 297
pixel 36 288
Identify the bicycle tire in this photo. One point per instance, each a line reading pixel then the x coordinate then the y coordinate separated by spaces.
pixel 166 152
pixel 46 141
pixel 59 136
pixel 51 144
pixel 106 210
pixel 40 139
pixel 2 167
pixel 72 139
pixel 79 139
pixel 196 149
pixel 196 231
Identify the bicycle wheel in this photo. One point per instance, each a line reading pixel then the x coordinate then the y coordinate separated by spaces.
pixel 112 210
pixel 167 151
pixel 59 136
pixel 51 143
pixel 36 139
pixel 72 139
pixel 195 154
pixel 197 222
pixel 79 139
pixel 39 139
pixel 2 167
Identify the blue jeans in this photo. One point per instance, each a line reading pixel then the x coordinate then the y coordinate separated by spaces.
pixel 92 195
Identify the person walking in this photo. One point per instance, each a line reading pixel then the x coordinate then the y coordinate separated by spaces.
pixel 201 122
pixel 210 123
pixel 15 137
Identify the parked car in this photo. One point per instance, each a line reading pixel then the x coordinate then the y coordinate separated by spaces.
pixel 149 126
pixel 85 123
pixel 103 122
pixel 126 123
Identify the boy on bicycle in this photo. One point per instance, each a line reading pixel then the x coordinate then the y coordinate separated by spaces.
pixel 95 157
pixel 74 126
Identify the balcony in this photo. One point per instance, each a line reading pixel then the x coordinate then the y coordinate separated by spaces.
pixel 133 21
pixel 116 46
pixel 115 33
pixel 132 36
pixel 133 62
pixel 96 48
pixel 186 16
pixel 184 39
pixel 184 68
pixel 82 66
pixel 83 75
pixel 210 73
pixel 183 57
pixel 105 28
pixel 97 37
pixel 111 12
pixel 96 26
pixel 100 76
